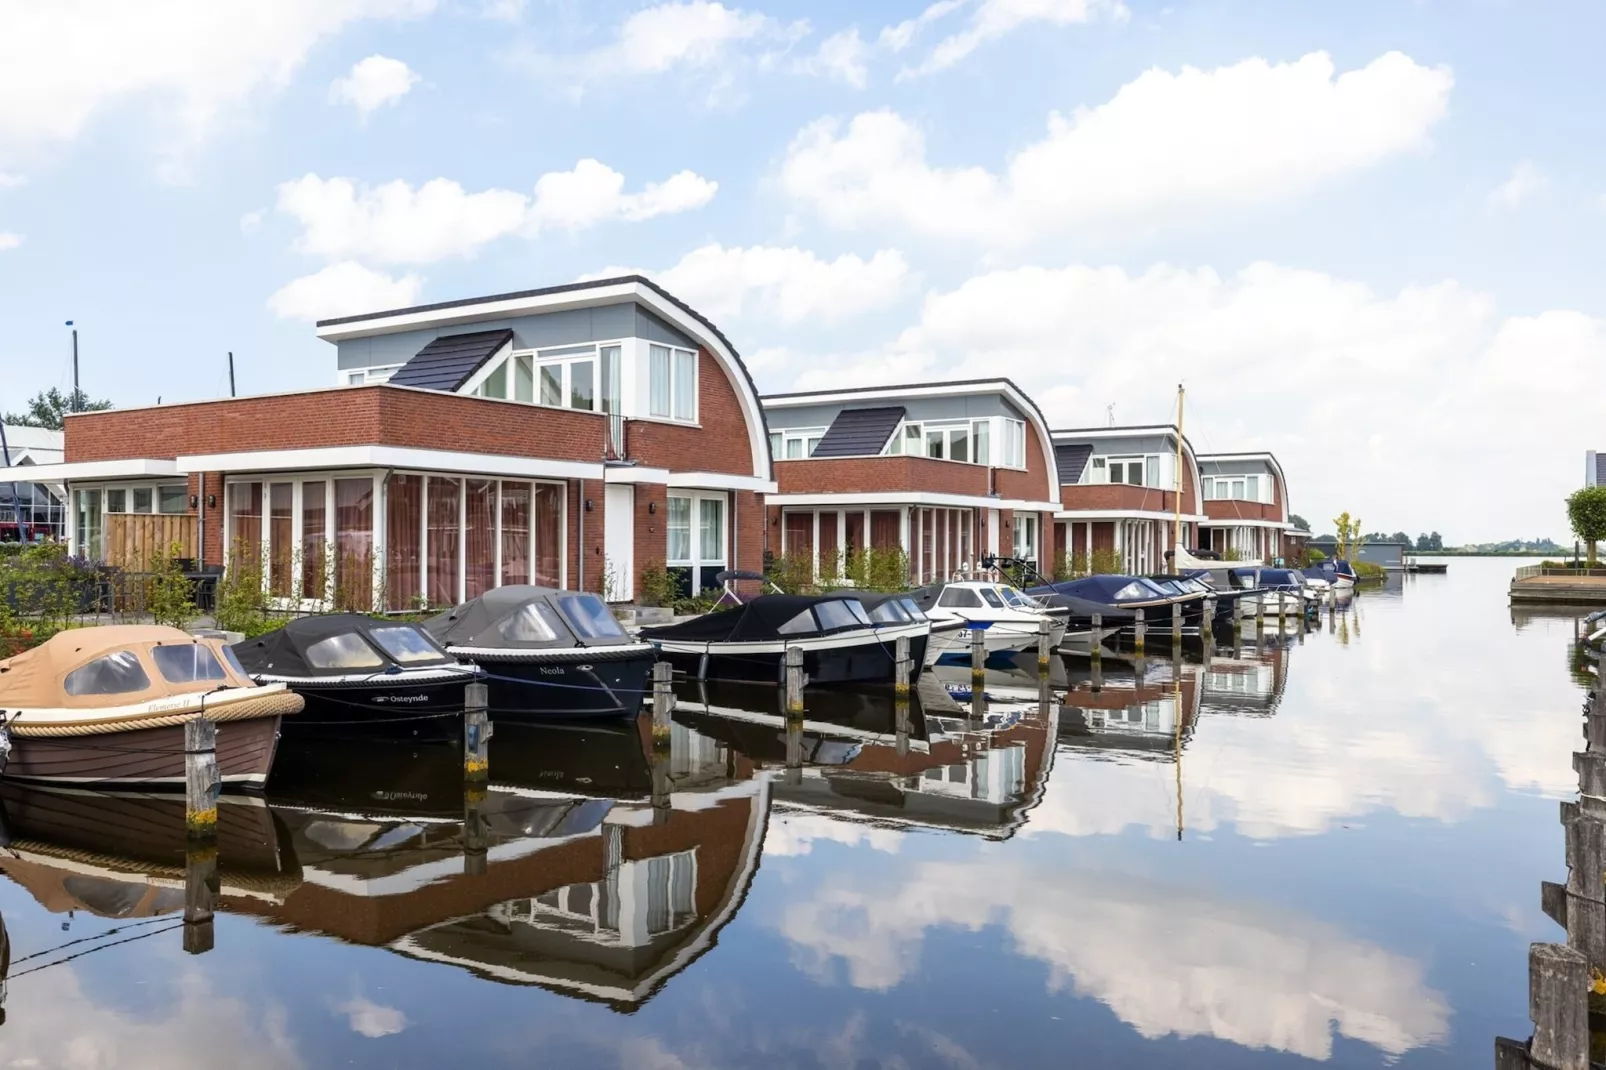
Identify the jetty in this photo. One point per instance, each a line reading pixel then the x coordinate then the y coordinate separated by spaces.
pixel 1559 585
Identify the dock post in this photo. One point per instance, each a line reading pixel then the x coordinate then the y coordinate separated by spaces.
pixel 201 780
pixel 1176 625
pixel 662 787
pixel 476 733
pixel 200 897
pixel 663 702
pixel 1260 613
pixel 978 659
pixel 901 668
pixel 794 683
pixel 1207 627
pixel 900 724
pixel 1282 613
pixel 1138 631
pixel 1045 628
pixel 1558 1002
pixel 1237 635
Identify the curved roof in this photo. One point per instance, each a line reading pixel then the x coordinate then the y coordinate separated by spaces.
pixel 530 302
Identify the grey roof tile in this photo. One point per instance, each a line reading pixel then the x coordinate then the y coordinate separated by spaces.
pixel 448 361
pixel 859 432
pixel 1070 458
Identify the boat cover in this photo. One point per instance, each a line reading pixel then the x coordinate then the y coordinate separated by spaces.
pixel 874 600
pixel 1109 589
pixel 125 670
pixel 765 617
pixel 284 652
pixel 525 617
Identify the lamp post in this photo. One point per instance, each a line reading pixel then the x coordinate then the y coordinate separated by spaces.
pixel 72 402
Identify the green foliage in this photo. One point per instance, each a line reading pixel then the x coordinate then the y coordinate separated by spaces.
pixel 1586 512
pixel 1070 566
pixel 657 586
pixel 1232 554
pixel 167 591
pixel 1349 535
pixel 871 569
pixel 1366 571
pixel 49 409
pixel 43 589
pixel 242 597
pixel 792 573
pixel 1298 521
pixel 1314 556
pixel 1105 562
pixel 1430 543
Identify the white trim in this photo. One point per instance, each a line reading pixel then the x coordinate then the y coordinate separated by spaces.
pixel 1235 522
pixel 119 468
pixel 589 297
pixel 912 497
pixel 542 653
pixel 1129 514
pixel 851 637
pixel 635 474
pixel 438 461
pixel 720 481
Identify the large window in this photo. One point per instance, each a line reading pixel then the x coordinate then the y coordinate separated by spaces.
pixel 1243 488
pixel 697 537
pixel 1014 444
pixel 795 443
pixel 672 383
pixel 964 440
pixel 566 377
pixel 1026 537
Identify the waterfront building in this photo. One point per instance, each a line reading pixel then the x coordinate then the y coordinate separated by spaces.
pixel 30 509
pixel 1118 494
pixel 1245 499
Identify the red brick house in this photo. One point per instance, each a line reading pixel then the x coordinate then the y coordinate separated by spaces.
pixel 945 472
pixel 571 436
pixel 1246 502
pixel 1119 493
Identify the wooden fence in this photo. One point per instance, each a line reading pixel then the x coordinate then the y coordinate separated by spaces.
pixel 133 538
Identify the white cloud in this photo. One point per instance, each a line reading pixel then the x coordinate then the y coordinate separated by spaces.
pixel 373 83
pixel 10 181
pixel 842 57
pixel 990 20
pixel 1525 182
pixel 1303 363
pixel 398 224
pixel 1164 146
pixel 372 1019
pixel 63 63
pixel 792 834
pixel 9 240
pixel 251 222
pixel 343 289
pixel 1246 973
pixel 502 10
pixel 789 285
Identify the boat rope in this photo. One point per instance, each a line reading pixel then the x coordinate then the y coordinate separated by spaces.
pixel 98 947
pixel 244 710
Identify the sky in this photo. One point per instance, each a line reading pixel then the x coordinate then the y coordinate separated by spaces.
pixel 1364 236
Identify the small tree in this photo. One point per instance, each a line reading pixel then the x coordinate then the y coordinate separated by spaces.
pixel 1586 511
pixel 49 409
pixel 1349 535
pixel 167 590
pixel 1314 556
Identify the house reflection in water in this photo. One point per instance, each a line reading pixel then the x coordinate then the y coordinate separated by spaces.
pixel 1246 683
pixel 854 757
pixel 1142 707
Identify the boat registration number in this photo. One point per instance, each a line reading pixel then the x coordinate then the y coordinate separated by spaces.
pixel 963 635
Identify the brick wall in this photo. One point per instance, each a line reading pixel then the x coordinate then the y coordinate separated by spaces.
pixel 875 475
pixel 1119 496
pixel 1032 484
pixel 651 544
pixel 1228 511
pixel 341 416
pixel 718 444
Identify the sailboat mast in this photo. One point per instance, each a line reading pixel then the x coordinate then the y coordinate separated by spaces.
pixel 1176 534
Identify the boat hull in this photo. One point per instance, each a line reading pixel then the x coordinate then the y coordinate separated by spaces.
pixel 583 684
pixel 860 663
pixel 422 711
pixel 144 757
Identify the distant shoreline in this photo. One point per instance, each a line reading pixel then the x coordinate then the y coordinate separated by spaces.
pixel 1489 553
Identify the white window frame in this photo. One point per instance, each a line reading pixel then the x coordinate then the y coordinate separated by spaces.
pixel 675 354
pixel 378 373
pixel 695 560
pixel 1014 451
pixel 807 437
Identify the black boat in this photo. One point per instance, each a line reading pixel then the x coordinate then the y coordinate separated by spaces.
pixel 548 654
pixel 1117 598
pixel 362 676
pixel 840 643
pixel 898 608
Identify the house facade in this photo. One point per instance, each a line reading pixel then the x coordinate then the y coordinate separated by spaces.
pixel 945 473
pixel 30 510
pixel 1595 468
pixel 573 436
pixel 1118 494
pixel 1245 498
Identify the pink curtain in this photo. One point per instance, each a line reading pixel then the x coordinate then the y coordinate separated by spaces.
pixel 884 529
pixel 354 543
pixel 444 535
pixel 480 517
pixel 281 552
pixel 404 536
pixel 548 534
pixel 515 533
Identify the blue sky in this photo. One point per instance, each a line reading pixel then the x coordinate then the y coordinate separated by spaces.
pixel 1364 234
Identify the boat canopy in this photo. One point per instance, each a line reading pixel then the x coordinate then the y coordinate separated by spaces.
pixel 339 644
pixel 116 665
pixel 1281 577
pixel 895 607
pixel 770 616
pixel 524 617
pixel 1112 589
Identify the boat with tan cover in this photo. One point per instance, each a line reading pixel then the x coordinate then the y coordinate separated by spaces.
pixel 107 705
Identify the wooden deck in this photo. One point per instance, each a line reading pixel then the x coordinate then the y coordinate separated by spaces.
pixel 1535 584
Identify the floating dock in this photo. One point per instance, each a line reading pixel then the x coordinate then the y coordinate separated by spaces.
pixel 1544 584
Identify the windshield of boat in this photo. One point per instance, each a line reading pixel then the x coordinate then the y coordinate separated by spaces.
pixel 187 663
pixel 233 661
pixel 890 612
pixel 842 614
pixel 113 674
pixel 344 651
pixel 1132 592
pixel 532 622
pixel 959 598
pixel 914 611
pixel 1012 596
pixel 992 598
pixel 407 644
pixel 590 617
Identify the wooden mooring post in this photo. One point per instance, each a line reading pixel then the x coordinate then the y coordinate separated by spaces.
pixel 794 683
pixel 1260 613
pixel 476 733
pixel 663 703
pixel 1139 630
pixel 1207 627
pixel 1282 612
pixel 200 897
pixel 1045 630
pixel 902 667
pixel 1176 625
pixel 201 780
pixel 1095 652
pixel 978 658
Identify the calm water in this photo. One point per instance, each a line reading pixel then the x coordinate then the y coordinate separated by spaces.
pixel 1329 853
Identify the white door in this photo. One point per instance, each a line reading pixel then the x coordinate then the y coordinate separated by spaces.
pixel 619 541
pixel 992 531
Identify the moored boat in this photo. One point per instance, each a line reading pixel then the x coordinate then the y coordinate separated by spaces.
pixel 899 608
pixel 1116 600
pixel 362 676
pixel 1007 620
pixel 840 643
pixel 107 706
pixel 548 654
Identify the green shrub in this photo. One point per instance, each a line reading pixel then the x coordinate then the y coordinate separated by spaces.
pixel 242 597
pixel 1314 556
pixel 1105 562
pixel 657 587
pixel 167 590
pixel 1366 570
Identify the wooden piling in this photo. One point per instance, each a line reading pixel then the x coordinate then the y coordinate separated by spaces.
pixel 662 788
pixel 200 897
pixel 794 750
pixel 476 733
pixel 1096 652
pixel 1558 1003
pixel 1176 625
pixel 900 725
pixel 663 703
pixel 1260 613
pixel 1282 612
pixel 476 831
pixel 1045 628
pixel 1207 627
pixel 978 659
pixel 201 780
pixel 1139 629
pixel 794 683
pixel 901 668
pixel 1591 770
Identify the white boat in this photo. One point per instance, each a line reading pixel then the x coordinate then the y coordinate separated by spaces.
pixel 1007 619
